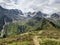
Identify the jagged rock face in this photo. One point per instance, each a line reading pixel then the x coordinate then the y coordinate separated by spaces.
pixel 1 23
pixel 4 19
pixel 8 16
pixel 13 13
pixel 55 16
pixel 40 14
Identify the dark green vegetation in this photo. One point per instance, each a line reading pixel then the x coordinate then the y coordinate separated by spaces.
pixel 35 24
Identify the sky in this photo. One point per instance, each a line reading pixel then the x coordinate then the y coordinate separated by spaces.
pixel 46 6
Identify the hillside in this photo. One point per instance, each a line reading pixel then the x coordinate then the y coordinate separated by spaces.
pixel 27 26
pixel 43 37
pixel 35 31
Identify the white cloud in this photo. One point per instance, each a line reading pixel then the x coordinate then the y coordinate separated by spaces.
pixel 46 6
pixel 49 10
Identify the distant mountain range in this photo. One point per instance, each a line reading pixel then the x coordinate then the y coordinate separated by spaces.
pixel 16 14
pixel 13 13
pixel 7 15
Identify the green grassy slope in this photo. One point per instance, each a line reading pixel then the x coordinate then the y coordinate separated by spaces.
pixel 44 37
pixel 33 32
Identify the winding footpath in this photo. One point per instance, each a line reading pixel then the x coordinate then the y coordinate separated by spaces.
pixel 35 40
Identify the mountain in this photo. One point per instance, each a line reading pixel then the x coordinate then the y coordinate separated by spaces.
pixel 8 15
pixel 55 19
pixel 34 24
pixel 12 13
pixel 39 14
pixel 37 20
pixel 30 29
pixel 36 14
pixel 28 33
pixel 55 16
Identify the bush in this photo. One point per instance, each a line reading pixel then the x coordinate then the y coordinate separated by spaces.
pixel 51 42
